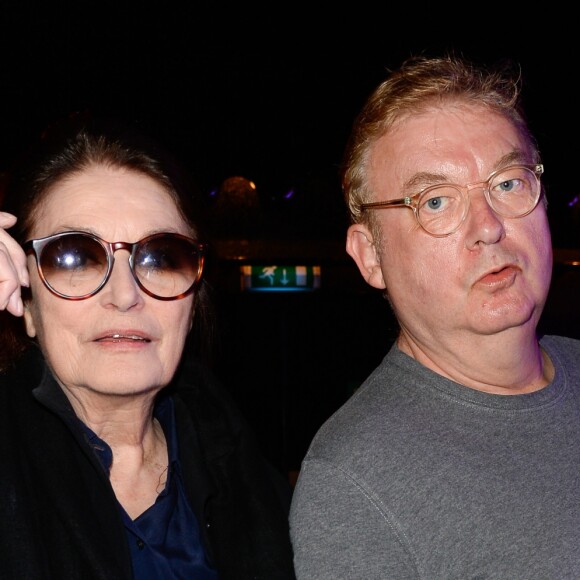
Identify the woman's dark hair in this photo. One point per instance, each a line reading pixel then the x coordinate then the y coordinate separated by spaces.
pixel 70 146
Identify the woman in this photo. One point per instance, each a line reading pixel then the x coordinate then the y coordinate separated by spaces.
pixel 120 457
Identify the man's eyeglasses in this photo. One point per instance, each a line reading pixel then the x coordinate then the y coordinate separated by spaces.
pixel 76 265
pixel 511 192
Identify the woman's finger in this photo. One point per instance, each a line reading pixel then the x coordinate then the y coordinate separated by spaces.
pixel 15 254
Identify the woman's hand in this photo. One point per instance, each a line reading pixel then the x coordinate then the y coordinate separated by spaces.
pixel 13 272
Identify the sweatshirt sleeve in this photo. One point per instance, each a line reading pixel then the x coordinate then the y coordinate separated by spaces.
pixel 340 531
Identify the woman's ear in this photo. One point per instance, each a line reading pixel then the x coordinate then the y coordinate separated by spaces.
pixel 361 247
pixel 28 320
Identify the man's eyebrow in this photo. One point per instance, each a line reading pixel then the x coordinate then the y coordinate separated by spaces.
pixel 515 156
pixel 424 179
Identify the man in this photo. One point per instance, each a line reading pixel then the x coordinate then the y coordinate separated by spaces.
pixel 459 456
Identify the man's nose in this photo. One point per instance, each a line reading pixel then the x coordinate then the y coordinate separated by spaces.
pixel 483 224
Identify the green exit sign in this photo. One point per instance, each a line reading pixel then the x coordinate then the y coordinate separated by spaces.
pixel 280 278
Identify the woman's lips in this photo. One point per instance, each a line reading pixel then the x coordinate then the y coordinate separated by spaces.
pixel 118 337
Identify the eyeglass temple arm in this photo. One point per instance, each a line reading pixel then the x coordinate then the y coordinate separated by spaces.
pixel 404 201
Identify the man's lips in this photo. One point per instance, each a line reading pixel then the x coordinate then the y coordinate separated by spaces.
pixel 500 277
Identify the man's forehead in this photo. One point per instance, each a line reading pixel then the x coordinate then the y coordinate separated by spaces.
pixel 440 142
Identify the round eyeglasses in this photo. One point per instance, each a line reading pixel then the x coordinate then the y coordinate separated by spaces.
pixel 76 265
pixel 511 192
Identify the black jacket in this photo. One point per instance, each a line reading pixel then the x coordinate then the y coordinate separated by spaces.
pixel 59 518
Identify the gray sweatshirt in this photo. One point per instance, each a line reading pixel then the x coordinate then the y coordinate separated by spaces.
pixel 420 477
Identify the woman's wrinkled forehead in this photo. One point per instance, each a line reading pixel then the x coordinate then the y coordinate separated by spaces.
pixel 101 194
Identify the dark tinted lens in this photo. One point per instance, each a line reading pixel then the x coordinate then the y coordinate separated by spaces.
pixel 167 265
pixel 74 265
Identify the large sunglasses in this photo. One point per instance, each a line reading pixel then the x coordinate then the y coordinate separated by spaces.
pixel 76 265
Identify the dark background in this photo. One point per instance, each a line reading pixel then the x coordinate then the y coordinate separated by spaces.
pixel 268 93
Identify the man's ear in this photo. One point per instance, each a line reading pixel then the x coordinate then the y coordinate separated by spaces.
pixel 360 245
pixel 28 321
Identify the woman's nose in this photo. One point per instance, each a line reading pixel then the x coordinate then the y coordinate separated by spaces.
pixel 121 289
